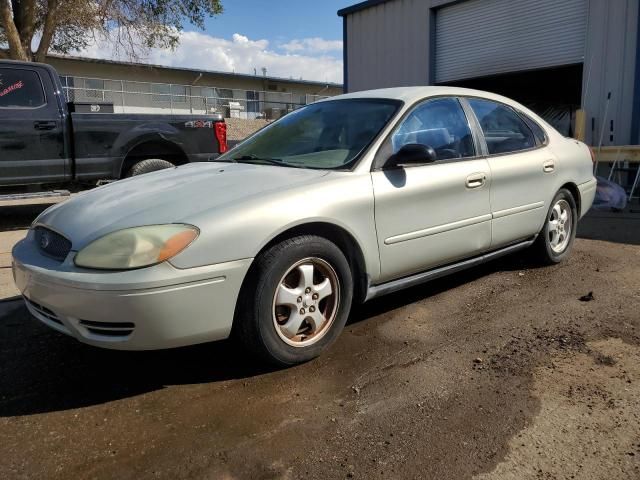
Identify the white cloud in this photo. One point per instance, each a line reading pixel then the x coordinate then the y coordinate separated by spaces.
pixel 312 45
pixel 304 58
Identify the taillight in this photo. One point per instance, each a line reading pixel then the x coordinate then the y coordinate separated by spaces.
pixel 221 136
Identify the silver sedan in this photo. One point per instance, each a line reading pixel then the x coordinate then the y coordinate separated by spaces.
pixel 339 202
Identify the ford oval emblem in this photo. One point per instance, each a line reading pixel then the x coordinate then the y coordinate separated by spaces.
pixel 45 240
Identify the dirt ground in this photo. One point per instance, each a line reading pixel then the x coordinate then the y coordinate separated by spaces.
pixel 500 372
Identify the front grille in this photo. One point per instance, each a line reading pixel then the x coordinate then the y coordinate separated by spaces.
pixel 51 243
pixel 108 329
pixel 43 311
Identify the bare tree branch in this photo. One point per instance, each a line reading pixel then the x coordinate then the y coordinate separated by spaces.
pixel 11 32
pixel 48 31
pixel 129 26
pixel 24 17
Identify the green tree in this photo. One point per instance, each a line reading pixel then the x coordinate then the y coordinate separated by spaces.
pixel 32 28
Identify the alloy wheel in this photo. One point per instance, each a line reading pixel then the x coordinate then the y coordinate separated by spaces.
pixel 306 302
pixel 560 224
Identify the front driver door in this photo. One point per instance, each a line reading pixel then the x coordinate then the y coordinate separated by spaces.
pixel 432 214
pixel 31 129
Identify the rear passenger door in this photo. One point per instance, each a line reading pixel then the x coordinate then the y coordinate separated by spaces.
pixel 31 130
pixel 521 169
pixel 434 213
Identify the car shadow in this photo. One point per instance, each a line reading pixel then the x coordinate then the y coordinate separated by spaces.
pixel 612 226
pixel 44 371
pixel 19 217
pixel 517 261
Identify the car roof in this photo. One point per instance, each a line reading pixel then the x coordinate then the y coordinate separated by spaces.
pixel 414 94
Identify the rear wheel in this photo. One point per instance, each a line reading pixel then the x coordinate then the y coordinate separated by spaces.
pixel 556 238
pixel 148 166
pixel 296 301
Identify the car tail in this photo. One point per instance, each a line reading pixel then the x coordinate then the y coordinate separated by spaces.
pixel 220 129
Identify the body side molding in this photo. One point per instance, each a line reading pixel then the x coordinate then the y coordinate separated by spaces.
pixel 389 287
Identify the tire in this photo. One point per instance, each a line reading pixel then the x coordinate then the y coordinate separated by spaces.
pixel 552 247
pixel 277 294
pixel 148 166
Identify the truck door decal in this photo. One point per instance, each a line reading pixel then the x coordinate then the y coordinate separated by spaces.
pixel 11 88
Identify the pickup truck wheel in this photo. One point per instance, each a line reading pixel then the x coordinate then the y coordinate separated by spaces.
pixel 148 166
pixel 296 301
pixel 556 238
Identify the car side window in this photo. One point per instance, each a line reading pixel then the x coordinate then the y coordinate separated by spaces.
pixel 20 89
pixel 504 130
pixel 538 131
pixel 439 123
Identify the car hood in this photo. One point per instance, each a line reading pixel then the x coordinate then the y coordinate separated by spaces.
pixel 168 196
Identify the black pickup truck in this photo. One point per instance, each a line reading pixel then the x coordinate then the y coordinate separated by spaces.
pixel 45 140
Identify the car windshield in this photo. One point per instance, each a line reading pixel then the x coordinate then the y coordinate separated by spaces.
pixel 324 135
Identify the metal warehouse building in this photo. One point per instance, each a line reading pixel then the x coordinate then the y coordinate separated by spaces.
pixel 556 56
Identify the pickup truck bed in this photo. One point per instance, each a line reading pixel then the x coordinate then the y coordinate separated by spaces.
pixel 43 141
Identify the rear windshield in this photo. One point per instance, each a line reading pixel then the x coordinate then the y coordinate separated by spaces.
pixel 324 135
pixel 20 89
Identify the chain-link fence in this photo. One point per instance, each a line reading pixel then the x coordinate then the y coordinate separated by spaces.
pixel 143 97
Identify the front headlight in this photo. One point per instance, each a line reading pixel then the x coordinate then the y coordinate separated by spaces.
pixel 136 247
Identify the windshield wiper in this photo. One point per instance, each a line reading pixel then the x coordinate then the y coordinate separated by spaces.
pixel 272 161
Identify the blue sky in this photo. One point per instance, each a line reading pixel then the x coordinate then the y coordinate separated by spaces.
pixel 299 39
pixel 280 20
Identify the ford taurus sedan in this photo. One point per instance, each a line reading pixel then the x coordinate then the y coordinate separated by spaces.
pixel 338 202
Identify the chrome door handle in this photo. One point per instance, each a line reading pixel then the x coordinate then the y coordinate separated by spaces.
pixel 548 166
pixel 476 180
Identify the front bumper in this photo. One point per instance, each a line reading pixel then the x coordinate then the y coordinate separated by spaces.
pixel 150 308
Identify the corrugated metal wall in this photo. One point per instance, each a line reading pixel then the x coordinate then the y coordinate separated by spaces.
pixel 394 44
pixel 610 66
pixel 386 45
pixel 485 37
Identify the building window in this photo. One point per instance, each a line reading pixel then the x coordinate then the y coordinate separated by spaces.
pixel 225 93
pixel 94 84
pixel 253 102
pixel 161 93
pixel 67 86
pixel 168 94
pixel 209 92
pixel 179 93
pixel 93 88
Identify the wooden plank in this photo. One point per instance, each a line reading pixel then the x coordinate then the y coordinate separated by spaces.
pixel 628 153
pixel 581 125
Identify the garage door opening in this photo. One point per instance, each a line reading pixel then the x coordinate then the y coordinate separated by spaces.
pixel 553 93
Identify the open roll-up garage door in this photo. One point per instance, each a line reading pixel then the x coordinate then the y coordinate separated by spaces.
pixel 477 38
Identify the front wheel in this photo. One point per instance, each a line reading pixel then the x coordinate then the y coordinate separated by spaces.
pixel 295 301
pixel 147 166
pixel 556 238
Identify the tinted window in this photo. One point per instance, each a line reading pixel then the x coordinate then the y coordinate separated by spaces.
pixel 538 131
pixel 20 89
pixel 94 84
pixel 161 92
pixel 440 124
pixel 503 129
pixel 179 93
pixel 323 135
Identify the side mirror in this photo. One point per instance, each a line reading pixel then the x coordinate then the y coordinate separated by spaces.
pixel 412 154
